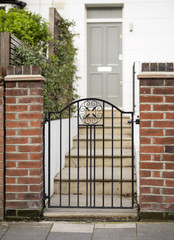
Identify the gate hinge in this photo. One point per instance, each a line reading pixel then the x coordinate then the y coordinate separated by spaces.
pixel 137 121
pixel 45 196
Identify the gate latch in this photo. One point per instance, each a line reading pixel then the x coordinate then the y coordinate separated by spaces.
pixel 137 121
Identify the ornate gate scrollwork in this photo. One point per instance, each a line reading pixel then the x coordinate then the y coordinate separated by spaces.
pixel 90 112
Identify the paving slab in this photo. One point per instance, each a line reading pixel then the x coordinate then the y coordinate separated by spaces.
pixel 114 225
pixel 156 231
pixel 72 227
pixel 69 236
pixel 27 231
pixel 3 228
pixel 115 234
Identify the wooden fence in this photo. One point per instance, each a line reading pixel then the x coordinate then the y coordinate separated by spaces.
pixel 8 44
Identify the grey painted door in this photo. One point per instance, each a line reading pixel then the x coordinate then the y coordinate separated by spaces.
pixel 104 73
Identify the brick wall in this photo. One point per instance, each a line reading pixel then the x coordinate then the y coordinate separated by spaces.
pixel 157 143
pixel 24 141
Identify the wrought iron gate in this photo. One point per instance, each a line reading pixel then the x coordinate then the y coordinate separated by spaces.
pixel 92 156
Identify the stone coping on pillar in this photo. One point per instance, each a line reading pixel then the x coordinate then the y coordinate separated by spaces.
pixel 11 78
pixel 155 75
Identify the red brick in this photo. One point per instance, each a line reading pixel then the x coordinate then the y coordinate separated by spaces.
pixel 36 156
pixel 10 132
pixel 28 196
pixel 17 205
pixel 151 99
pixel 35 172
pixel 170 183
pixel 30 164
pixel 29 180
pixel 36 124
pixel 151 182
pixel 16 108
pixel 145 173
pixel 36 108
pixel 151 149
pixel 10 180
pixel 10 84
pixel 10 116
pixel 169 166
pixel 16 188
pixel 168 157
pixel 16 140
pixel 145 140
pixel 30 100
pixel 156 174
pixel 169 149
pixel 10 164
pixel 151 82
pixel 155 190
pixel 10 148
pixel 16 124
pixel 145 107
pixel 36 188
pixel 10 100
pixel 169 200
pixel 164 140
pixel 16 156
pixel 170 132
pixel 151 198
pixel 151 165
pixel 169 115
pixel 36 140
pixel 164 107
pixel 157 157
pixel 169 99
pixel 30 85
pixel 168 174
pixel 10 196
pixel 16 172
pixel 151 115
pixel 145 124
pixel 169 82
pixel 16 92
pixel 30 148
pixel 168 191
pixel 35 92
pixel 29 116
pixel 145 190
pixel 162 91
pixel 151 132
pixel 30 132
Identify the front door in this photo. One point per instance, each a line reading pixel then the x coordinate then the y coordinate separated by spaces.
pixel 104 71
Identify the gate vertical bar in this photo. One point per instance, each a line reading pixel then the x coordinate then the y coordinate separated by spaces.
pixel 132 160
pixel 94 165
pixel 121 137
pixel 87 166
pixel 69 157
pixel 90 166
pixel 112 157
pixel 103 154
pixel 60 159
pixel 78 155
pixel 49 156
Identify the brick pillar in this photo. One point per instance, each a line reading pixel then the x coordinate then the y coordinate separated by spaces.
pixel 24 142
pixel 2 73
pixel 157 145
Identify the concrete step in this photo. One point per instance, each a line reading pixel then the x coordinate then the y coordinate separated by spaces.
pixel 86 177
pixel 83 161
pixel 86 214
pixel 108 142
pixel 126 129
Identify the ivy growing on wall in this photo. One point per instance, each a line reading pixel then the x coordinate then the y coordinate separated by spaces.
pixel 58 69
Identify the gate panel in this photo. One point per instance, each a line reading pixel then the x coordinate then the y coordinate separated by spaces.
pixel 95 156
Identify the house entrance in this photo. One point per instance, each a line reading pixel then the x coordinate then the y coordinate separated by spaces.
pixel 104 56
pixel 95 156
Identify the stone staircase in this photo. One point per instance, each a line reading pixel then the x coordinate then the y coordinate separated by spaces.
pixel 89 166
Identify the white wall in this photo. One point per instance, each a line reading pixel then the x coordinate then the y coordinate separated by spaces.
pixel 55 148
pixel 151 40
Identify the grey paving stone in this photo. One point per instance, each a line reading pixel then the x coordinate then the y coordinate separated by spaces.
pixel 115 234
pixel 3 228
pixel 27 231
pixel 72 227
pixel 156 231
pixel 69 236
